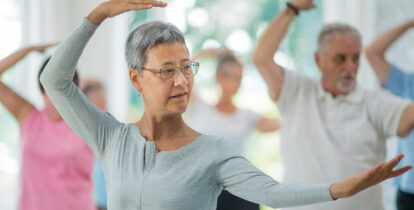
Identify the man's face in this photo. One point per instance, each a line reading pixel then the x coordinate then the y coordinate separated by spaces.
pixel 338 61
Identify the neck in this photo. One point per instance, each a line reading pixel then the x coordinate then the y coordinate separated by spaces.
pixel 225 104
pixel 154 128
pixel 331 91
pixel 53 115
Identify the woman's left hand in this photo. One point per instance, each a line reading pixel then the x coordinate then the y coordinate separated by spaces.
pixel 113 8
pixel 354 184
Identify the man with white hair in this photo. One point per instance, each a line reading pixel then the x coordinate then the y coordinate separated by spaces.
pixel 331 128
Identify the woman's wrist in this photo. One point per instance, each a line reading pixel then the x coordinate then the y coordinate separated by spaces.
pixel 97 16
pixel 337 191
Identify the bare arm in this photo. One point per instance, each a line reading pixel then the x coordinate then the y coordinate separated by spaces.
pixel 375 52
pixel 211 53
pixel 269 43
pixel 14 103
pixel 406 124
pixel 267 124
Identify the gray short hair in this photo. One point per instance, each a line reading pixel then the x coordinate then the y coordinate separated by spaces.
pixel 330 29
pixel 147 36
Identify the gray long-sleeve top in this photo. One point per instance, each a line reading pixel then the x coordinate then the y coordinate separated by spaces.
pixel 136 176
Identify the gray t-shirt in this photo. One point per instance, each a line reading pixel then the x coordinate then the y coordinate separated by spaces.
pixel 139 178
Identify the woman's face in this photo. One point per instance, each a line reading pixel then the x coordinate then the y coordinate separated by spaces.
pixel 229 78
pixel 164 97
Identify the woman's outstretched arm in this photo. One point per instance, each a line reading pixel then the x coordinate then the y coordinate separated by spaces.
pixel 238 176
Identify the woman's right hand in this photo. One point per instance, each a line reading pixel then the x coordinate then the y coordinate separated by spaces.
pixel 113 8
pixel 354 184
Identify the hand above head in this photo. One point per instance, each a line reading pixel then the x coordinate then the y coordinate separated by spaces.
pixel 354 184
pixel 303 4
pixel 214 52
pixel 113 8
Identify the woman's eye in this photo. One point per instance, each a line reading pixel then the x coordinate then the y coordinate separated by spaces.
pixel 168 71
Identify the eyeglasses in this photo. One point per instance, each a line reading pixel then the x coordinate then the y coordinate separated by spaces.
pixel 168 73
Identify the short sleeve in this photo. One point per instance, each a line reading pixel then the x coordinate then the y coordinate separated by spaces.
pixel 385 111
pixel 294 86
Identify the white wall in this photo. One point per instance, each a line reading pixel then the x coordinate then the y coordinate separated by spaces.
pixel 46 21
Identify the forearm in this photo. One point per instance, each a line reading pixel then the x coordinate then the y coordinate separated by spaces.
pixel 238 176
pixel 383 42
pixel 96 17
pixel 271 39
pixel 57 80
pixel 268 125
pixel 376 51
pixel 12 59
pixel 61 68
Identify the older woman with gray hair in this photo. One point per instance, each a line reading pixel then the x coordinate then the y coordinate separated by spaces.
pixel 159 162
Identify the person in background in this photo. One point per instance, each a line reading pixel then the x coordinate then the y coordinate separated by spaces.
pixel 226 120
pixel 332 127
pixel 400 83
pixel 56 164
pixel 95 92
pixel 159 162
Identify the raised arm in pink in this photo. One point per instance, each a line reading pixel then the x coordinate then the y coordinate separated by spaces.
pixel 56 168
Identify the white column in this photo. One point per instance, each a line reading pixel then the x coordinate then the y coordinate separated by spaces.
pixel 117 79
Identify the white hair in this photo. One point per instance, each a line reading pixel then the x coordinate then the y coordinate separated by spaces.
pixel 329 30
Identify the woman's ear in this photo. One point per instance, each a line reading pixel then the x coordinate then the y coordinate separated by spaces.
pixel 136 79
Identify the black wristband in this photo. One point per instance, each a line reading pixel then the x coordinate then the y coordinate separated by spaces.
pixel 291 6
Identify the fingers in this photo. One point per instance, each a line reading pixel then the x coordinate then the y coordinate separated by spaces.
pixel 148 2
pixel 144 4
pixel 139 7
pixel 399 171
pixel 392 163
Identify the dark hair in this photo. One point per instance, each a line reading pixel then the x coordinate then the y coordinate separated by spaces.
pixel 45 62
pixel 89 88
pixel 225 59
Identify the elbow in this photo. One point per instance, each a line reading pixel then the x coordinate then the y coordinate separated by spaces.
pixel 259 59
pixel 371 53
pixel 44 79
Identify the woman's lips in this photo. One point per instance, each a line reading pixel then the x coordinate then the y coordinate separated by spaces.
pixel 178 96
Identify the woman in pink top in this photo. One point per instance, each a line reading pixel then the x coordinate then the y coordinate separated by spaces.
pixel 56 163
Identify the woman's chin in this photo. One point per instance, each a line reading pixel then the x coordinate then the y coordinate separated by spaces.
pixel 179 109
